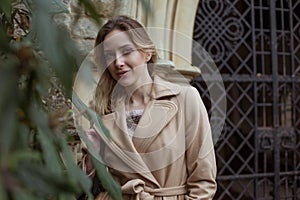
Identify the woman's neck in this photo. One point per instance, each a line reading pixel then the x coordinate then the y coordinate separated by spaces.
pixel 139 94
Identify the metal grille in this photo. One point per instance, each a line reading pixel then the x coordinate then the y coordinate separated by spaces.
pixel 256 47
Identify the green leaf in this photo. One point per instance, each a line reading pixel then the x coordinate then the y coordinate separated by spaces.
pixel 7 132
pixel 46 139
pixel 43 70
pixel 5 7
pixel 56 44
pixel 43 182
pixel 89 114
pixel 24 195
pixel 24 136
pixel 110 185
pixel 23 155
pixel 3 194
pixel 66 197
pixel 74 172
pixel 108 182
pixel 4 42
pixel 50 152
pixel 8 102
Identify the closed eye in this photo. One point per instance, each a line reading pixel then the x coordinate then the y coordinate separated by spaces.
pixel 127 50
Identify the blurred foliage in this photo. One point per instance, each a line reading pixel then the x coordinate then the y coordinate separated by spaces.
pixel 37 55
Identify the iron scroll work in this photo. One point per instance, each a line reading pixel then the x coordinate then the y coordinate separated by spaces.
pixel 256 47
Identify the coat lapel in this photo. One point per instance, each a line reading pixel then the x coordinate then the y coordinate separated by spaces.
pixel 156 116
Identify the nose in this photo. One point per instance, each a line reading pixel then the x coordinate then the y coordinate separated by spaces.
pixel 119 60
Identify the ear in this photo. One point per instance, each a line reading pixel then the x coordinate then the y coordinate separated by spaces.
pixel 148 56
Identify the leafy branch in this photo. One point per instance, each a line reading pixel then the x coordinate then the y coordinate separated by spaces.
pixel 36 55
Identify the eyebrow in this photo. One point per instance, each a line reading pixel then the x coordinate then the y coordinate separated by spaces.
pixel 121 47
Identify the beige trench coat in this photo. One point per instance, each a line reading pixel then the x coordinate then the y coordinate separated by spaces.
pixel 171 155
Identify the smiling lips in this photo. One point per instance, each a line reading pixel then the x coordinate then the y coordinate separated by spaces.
pixel 122 73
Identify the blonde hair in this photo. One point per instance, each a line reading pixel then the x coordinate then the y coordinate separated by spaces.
pixel 139 37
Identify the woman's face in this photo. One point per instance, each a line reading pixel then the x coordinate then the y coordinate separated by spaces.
pixel 126 63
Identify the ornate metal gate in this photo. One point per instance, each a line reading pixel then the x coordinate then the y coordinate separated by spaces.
pixel 256 47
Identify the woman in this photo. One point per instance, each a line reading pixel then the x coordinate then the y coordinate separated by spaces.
pixel 161 145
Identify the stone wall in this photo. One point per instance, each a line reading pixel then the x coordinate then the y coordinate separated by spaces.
pixel 83 29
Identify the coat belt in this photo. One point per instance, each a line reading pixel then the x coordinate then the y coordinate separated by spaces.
pixel 137 186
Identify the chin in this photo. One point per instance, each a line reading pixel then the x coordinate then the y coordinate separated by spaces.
pixel 124 82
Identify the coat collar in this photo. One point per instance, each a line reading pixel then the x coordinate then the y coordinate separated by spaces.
pixel 164 88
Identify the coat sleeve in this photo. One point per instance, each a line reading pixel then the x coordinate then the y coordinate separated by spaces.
pixel 200 155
